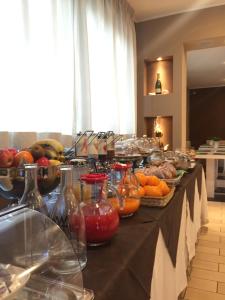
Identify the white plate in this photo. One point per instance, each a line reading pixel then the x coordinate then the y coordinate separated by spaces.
pixel 20 277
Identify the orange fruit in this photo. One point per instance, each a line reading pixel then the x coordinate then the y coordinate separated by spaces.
pixel 142 179
pixel 141 191
pixel 153 191
pixel 164 187
pixel 153 180
pixel 23 157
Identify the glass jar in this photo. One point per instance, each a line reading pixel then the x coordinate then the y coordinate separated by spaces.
pixel 101 218
pixel 68 215
pixel 127 186
pixel 31 195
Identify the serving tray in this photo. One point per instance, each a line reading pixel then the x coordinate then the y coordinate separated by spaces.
pixel 158 201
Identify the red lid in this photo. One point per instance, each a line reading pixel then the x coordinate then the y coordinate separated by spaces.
pixel 94 177
pixel 119 166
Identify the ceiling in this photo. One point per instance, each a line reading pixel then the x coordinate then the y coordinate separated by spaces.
pixel 150 9
pixel 206 67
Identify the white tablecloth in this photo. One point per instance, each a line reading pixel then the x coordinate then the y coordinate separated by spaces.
pixel 168 282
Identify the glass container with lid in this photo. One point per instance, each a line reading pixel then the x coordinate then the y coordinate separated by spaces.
pixel 32 246
pixel 127 186
pixel 101 218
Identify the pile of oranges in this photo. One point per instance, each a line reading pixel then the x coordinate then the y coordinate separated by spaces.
pixel 151 186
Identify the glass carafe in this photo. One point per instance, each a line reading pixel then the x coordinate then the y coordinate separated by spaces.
pixel 31 195
pixel 101 218
pixel 127 186
pixel 68 215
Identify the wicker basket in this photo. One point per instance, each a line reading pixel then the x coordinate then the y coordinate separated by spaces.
pixel 158 201
pixel 173 181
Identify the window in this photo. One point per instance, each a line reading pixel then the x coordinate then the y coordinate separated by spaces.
pixel 67 66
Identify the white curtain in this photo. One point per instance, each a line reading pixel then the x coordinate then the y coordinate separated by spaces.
pixel 65 66
pixel 36 65
pixel 105 83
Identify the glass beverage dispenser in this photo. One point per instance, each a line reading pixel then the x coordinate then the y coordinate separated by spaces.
pixel 101 218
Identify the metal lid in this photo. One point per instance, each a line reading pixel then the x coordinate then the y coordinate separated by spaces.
pixel 79 162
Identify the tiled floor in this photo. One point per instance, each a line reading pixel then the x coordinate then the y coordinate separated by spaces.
pixel 207 281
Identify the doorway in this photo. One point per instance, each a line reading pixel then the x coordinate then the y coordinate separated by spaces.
pixel 206 94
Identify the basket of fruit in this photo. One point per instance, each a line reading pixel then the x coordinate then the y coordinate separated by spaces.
pixel 158 201
pixel 48 154
pixel 154 191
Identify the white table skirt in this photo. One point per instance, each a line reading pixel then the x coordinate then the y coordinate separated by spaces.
pixel 168 282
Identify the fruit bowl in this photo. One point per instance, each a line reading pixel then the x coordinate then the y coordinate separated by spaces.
pixel 12 181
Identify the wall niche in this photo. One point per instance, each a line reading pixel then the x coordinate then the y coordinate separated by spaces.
pixel 165 124
pixel 162 65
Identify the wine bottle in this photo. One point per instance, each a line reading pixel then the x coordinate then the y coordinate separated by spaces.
pixel 158 85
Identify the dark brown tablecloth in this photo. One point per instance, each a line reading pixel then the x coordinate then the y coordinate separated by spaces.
pixel 189 186
pixel 123 269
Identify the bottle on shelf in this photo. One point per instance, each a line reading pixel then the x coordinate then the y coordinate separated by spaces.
pixel 158 85
pixel 31 195
pixel 67 214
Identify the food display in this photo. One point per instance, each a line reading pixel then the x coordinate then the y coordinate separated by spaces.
pixel 48 154
pixel 135 146
pixel 151 185
pixel 154 191
pixel 164 171
pixel 182 160
pixel 45 152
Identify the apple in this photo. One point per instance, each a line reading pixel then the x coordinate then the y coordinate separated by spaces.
pixel 42 161
pixel 13 151
pixel 6 158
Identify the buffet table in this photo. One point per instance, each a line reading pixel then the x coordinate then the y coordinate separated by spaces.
pixel 151 252
pixel 211 170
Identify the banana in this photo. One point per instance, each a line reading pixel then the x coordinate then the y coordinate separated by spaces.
pixel 51 154
pixel 51 144
pixel 61 158
pixel 54 162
